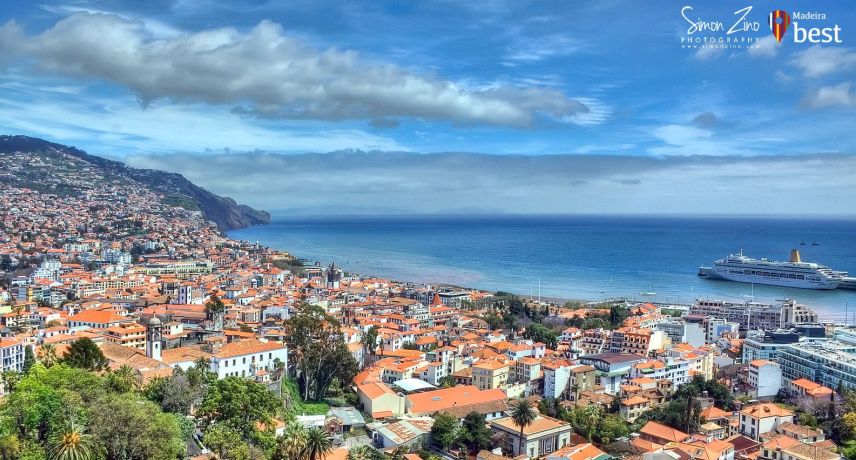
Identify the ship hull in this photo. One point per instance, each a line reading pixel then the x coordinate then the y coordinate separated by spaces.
pixel 713 273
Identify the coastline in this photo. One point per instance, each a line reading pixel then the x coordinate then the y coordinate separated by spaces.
pixel 575 258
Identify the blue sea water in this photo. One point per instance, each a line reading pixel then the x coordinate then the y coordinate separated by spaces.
pixel 574 257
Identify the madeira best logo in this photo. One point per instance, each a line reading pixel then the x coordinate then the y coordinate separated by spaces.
pixel 780 20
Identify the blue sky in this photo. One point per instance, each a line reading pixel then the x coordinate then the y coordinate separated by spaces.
pixel 178 84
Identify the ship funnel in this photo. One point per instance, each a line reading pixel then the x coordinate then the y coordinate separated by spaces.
pixel 795 255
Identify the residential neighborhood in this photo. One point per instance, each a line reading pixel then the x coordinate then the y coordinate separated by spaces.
pixel 399 368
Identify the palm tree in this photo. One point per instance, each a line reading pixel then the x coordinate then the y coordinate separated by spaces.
pixel 124 379
pixel 318 443
pixel 523 414
pixel 591 416
pixel 48 355
pixel 362 453
pixel 292 444
pixel 71 444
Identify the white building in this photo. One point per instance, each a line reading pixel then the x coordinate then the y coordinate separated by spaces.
pixel 761 418
pixel 557 378
pixel 12 352
pixel 245 357
pixel 766 377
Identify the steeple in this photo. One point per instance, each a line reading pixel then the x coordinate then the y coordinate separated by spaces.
pixel 154 337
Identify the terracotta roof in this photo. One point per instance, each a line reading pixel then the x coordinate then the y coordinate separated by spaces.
pixel 541 423
pixel 664 432
pixel 98 316
pixel 247 347
pixel 763 410
pixel 183 354
pixel 713 412
pixel 439 400
pixel 374 390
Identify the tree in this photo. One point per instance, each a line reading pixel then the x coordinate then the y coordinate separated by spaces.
pixel 591 415
pixel 292 444
pixel 447 381
pixel 225 442
pixel 72 444
pixel 444 430
pixel 10 380
pixel 29 359
pixel 316 343
pixel 122 380
pixel 610 428
pixel 84 354
pixel 523 414
pixel 180 391
pixel 10 447
pixel 215 305
pixel 541 333
pixel 131 428
pixel 318 443
pixel 239 402
pixel 364 453
pixel 48 355
pixel 474 433
pixel 369 340
pixel 493 320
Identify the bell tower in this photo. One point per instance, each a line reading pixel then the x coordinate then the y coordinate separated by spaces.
pixel 154 337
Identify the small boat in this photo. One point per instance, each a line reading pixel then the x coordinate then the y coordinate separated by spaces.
pixel 802 243
pixel 815 243
pixel 650 292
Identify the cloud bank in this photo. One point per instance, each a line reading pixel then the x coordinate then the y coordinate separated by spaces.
pixel 391 182
pixel 264 72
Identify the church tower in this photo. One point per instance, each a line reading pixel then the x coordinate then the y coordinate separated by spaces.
pixel 154 337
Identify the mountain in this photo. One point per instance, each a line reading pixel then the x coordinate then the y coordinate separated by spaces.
pixel 46 166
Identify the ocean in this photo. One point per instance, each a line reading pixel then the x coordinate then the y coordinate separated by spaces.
pixel 571 257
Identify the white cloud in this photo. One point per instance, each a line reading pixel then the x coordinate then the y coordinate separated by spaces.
pixel 125 127
pixel 266 73
pixel 708 53
pixel 819 61
pixel 837 95
pixel 680 135
pixel 766 47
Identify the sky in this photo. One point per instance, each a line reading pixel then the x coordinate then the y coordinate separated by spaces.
pixel 324 107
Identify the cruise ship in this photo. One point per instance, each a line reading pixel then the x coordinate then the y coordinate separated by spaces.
pixel 794 273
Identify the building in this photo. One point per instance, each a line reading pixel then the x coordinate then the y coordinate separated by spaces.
pixel 680 330
pixel 754 315
pixel 767 346
pixel 805 387
pixel 126 334
pixel 828 363
pixel 458 401
pixel 380 401
pixel 766 377
pixel 635 340
pixel 584 451
pixel 611 368
pixel 410 432
pixel 761 418
pixel 12 352
pixel 97 319
pixel 544 436
pixel 490 374
pixel 244 358
pixel 659 434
